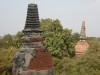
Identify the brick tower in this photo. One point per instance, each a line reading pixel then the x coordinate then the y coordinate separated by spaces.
pixel 32 58
pixel 82 45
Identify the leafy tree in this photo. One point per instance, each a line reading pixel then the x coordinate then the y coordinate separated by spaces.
pixel 6 60
pixel 76 36
pixel 17 38
pixel 11 41
pixel 2 43
pixel 51 25
pixel 8 40
pixel 58 41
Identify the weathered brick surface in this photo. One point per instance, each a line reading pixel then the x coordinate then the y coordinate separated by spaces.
pixel 42 60
pixel 81 47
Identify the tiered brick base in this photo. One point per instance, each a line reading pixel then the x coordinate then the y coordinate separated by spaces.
pixel 41 61
pixel 81 47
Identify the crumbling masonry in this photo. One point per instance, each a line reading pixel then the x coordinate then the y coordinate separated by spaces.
pixel 32 58
pixel 82 45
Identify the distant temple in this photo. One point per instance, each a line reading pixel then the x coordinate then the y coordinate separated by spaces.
pixel 32 58
pixel 82 45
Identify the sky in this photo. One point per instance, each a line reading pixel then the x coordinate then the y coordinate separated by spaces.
pixel 71 13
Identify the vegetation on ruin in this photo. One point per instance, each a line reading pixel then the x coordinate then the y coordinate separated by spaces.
pixel 60 42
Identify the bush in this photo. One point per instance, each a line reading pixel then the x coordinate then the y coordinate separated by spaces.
pixel 6 60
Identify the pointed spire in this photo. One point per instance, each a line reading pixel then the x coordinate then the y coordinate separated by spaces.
pixel 83 31
pixel 32 19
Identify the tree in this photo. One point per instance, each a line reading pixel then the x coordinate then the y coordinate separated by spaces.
pixel 76 36
pixel 6 60
pixel 17 38
pixel 57 40
pixel 2 43
pixel 8 40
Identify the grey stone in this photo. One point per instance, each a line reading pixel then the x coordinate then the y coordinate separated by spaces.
pixel 35 72
pixel 23 57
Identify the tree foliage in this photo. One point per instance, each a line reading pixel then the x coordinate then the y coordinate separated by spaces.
pixel 88 64
pixel 57 40
pixel 6 41
pixel 6 60
pixel 17 38
pixel 11 40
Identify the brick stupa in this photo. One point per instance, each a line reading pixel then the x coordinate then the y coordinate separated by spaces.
pixel 32 58
pixel 82 45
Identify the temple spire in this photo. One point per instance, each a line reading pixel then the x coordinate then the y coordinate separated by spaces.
pixel 83 31
pixel 32 20
pixel 82 45
pixel 33 58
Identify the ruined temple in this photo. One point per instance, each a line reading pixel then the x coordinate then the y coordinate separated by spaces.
pixel 81 46
pixel 32 58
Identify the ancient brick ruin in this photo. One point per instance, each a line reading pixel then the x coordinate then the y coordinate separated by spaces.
pixel 32 58
pixel 82 45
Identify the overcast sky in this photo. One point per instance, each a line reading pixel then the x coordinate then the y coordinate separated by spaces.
pixel 69 12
